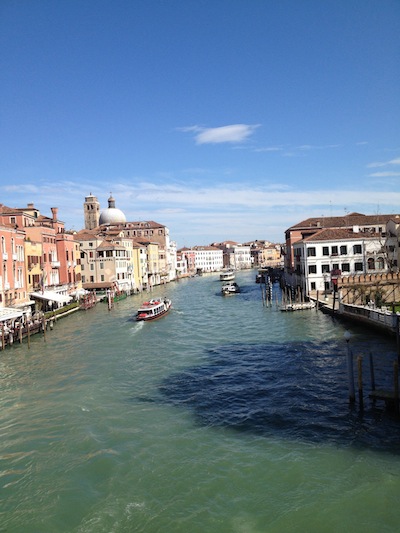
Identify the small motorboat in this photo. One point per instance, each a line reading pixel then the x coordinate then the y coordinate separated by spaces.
pixel 153 309
pixel 230 288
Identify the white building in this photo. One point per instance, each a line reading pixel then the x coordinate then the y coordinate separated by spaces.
pixel 235 256
pixel 208 258
pixel 320 258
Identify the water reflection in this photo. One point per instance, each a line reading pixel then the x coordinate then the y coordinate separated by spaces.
pixel 296 391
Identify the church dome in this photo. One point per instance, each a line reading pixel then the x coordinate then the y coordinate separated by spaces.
pixel 112 215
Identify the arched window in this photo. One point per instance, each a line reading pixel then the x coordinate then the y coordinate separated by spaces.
pixel 380 263
pixel 371 263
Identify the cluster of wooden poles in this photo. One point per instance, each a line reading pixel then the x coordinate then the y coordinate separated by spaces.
pixel 24 329
pixel 390 397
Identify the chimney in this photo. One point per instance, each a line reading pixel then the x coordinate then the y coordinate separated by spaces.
pixel 54 210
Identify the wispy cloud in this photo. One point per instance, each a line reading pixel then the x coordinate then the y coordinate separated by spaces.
pixel 199 214
pixel 386 174
pixel 296 151
pixel 384 163
pixel 269 149
pixel 316 147
pixel 234 133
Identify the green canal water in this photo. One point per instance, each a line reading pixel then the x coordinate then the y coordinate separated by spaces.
pixel 225 416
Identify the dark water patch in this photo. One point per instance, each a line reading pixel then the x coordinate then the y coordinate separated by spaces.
pixel 296 391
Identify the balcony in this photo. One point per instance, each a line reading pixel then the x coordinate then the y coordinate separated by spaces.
pixel 55 264
pixel 5 256
pixel 15 257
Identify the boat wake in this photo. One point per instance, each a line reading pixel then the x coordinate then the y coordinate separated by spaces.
pixel 137 327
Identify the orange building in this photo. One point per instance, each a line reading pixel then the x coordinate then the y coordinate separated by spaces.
pixel 13 292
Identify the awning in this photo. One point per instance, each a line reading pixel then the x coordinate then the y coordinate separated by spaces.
pixel 51 296
pixel 101 285
pixel 8 313
pixel 79 292
pixel 25 304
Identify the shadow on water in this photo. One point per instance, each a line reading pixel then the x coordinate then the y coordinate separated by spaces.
pixel 295 391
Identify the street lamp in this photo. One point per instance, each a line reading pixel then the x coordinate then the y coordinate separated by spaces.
pixel 350 371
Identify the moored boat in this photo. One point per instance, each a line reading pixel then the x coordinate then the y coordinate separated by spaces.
pixel 153 309
pixel 230 288
pixel 298 306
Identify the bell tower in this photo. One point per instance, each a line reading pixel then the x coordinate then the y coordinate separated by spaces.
pixel 91 212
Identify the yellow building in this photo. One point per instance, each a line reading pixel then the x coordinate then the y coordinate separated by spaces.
pixel 34 272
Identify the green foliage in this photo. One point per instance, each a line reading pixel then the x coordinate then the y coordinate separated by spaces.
pixel 62 310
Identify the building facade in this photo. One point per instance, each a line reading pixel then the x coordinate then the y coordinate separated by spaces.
pixel 320 259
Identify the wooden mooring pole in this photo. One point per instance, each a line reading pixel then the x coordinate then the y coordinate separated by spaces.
pixel 360 384
pixel 372 372
pixel 396 386
pixel 350 369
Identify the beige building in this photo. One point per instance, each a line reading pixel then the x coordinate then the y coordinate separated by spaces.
pixel 112 221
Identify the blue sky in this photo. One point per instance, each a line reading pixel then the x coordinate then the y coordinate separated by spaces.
pixel 222 119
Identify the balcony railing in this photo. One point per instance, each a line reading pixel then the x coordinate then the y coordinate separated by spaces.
pixel 55 264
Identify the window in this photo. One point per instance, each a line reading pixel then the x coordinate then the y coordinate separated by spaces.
pixel 312 269
pixel 325 250
pixel 102 277
pixel 343 250
pixel 334 250
pixel 335 266
pixel 380 263
pixel 92 266
pixel 357 249
pixel 325 269
pixel 90 244
pixel 371 263
pixel 102 266
pixel 311 252
pixel 345 267
pixel 358 267
pixel 313 286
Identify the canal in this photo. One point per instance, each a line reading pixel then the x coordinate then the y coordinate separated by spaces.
pixel 224 416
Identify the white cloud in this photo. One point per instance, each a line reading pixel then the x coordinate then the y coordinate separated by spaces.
pixel 234 133
pixel 269 149
pixel 386 174
pixel 197 214
pixel 384 163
